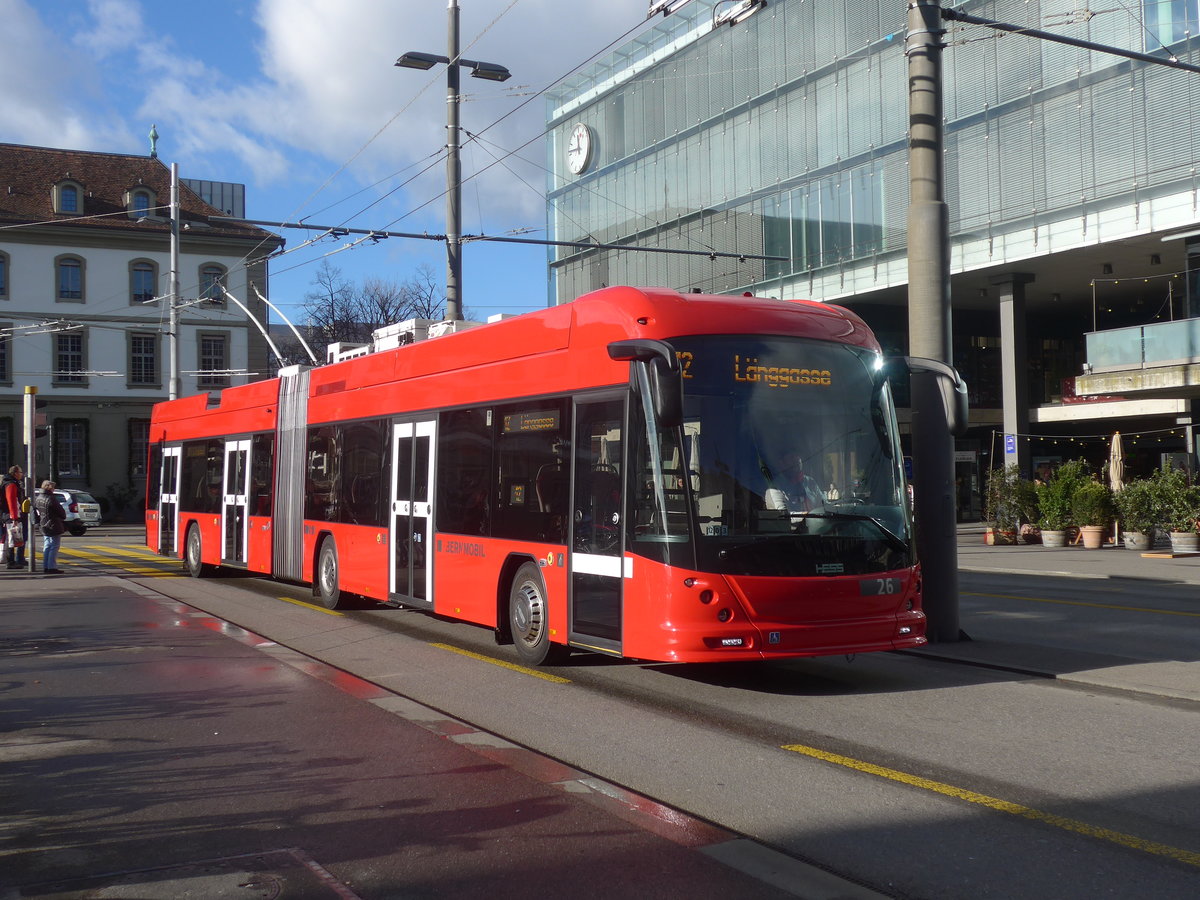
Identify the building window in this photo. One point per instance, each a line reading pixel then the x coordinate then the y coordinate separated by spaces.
pixel 212 284
pixel 139 203
pixel 214 360
pixel 69 358
pixel 1168 22
pixel 5 355
pixel 143 281
pixel 70 448
pixel 3 276
pixel 66 197
pixel 139 449
pixel 143 359
pixel 6 446
pixel 69 270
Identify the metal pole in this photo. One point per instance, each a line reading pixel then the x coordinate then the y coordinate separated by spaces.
pixel 173 293
pixel 30 478
pixel 453 175
pixel 929 322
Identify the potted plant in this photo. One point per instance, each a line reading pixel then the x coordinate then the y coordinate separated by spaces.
pixel 1002 504
pixel 1179 504
pixel 1054 501
pixel 1092 509
pixel 1139 511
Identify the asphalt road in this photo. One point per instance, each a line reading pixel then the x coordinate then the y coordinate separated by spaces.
pixel 1038 762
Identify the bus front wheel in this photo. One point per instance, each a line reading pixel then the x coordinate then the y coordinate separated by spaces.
pixel 193 554
pixel 528 619
pixel 328 591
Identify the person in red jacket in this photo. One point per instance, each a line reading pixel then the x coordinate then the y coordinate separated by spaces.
pixel 12 495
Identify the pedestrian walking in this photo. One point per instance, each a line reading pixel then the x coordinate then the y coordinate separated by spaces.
pixel 12 516
pixel 52 520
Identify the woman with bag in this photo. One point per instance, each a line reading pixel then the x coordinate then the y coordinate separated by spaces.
pixel 52 519
pixel 12 509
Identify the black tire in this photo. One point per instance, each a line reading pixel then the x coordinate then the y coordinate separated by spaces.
pixel 528 619
pixel 77 529
pixel 325 585
pixel 193 554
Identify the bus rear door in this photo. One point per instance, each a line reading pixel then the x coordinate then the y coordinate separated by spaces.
pixel 410 530
pixel 597 529
pixel 168 501
pixel 236 500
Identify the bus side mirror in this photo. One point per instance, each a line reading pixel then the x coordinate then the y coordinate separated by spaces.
pixel 951 386
pixel 663 372
pixel 666 389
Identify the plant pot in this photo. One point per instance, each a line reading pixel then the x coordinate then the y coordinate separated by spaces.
pixel 1000 538
pixel 1054 538
pixel 1093 536
pixel 1185 542
pixel 1138 540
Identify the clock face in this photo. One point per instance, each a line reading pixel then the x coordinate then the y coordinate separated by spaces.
pixel 579 148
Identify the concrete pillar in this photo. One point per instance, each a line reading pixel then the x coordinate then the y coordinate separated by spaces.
pixel 1014 367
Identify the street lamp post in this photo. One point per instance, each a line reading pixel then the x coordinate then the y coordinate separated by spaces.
pixel 490 72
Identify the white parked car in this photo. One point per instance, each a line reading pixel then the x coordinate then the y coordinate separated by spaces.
pixel 83 512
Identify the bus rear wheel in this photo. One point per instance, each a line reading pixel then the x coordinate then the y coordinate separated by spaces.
pixel 328 591
pixel 193 554
pixel 528 619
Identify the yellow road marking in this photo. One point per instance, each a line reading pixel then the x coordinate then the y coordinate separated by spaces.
pixel 545 676
pixel 146 555
pixel 1191 857
pixel 109 561
pixel 293 600
pixel 1161 612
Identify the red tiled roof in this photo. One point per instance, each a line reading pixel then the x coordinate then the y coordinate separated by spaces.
pixel 28 175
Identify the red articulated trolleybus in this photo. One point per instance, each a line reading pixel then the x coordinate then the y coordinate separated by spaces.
pixel 617 474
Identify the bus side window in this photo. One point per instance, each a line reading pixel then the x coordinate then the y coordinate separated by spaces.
pixel 465 489
pixel 532 458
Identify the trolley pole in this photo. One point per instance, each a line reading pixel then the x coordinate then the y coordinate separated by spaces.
pixel 929 321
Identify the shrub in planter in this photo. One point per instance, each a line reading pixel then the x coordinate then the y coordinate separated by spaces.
pixel 1007 498
pixel 1138 506
pixel 1178 501
pixel 1092 504
pixel 1055 494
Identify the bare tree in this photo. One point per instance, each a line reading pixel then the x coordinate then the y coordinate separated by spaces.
pixel 422 295
pixel 381 303
pixel 331 307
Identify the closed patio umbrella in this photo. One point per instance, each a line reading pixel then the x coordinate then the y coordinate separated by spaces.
pixel 1116 463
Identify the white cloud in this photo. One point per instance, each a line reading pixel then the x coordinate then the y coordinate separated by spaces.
pixel 285 96
pixel 50 96
pixel 116 28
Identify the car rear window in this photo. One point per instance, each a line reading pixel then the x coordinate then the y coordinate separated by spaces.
pixel 81 497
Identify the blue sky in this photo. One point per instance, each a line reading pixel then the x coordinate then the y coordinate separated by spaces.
pixel 299 100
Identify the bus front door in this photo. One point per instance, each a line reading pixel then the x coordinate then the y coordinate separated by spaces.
pixel 411 525
pixel 235 501
pixel 597 559
pixel 168 501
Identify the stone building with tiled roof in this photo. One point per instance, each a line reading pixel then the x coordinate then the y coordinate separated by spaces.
pixel 84 285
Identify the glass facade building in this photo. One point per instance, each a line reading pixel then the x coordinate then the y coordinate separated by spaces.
pixel 786 135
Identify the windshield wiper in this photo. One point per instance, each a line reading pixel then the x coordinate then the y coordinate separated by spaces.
pixel 894 539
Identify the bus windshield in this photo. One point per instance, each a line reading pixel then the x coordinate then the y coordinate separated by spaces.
pixel 790 459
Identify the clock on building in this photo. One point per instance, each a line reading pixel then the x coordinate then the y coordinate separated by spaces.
pixel 579 148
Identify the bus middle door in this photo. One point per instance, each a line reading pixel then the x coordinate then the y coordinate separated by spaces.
pixel 410 532
pixel 235 503
pixel 168 501
pixel 597 527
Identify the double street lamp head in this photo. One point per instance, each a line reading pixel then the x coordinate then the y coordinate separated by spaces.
pixel 415 59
